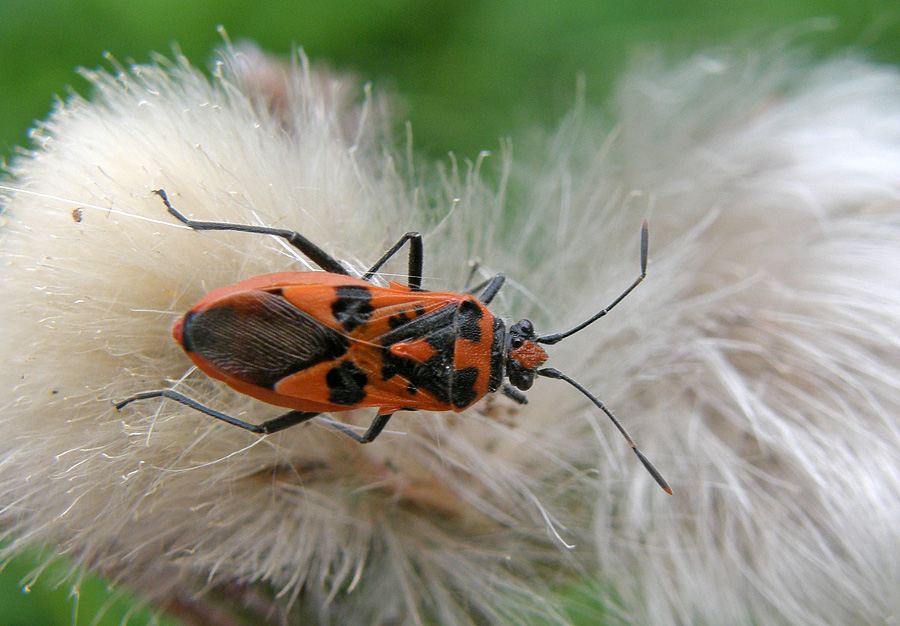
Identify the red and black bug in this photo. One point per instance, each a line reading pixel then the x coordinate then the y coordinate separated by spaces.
pixel 322 342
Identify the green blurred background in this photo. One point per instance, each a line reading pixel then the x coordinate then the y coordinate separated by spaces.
pixel 467 72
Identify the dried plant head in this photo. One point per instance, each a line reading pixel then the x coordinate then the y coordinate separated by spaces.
pixel 461 519
pixel 768 359
pixel 758 364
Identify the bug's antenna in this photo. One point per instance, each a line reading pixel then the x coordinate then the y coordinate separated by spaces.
pixel 549 372
pixel 551 339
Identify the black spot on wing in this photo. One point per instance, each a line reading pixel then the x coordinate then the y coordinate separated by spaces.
pixel 468 316
pixel 353 306
pixel 498 355
pixel 464 392
pixel 188 331
pixel 346 384
pixel 398 320
pixel 261 338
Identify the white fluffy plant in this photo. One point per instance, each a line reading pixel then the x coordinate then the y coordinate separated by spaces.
pixel 455 519
pixel 758 365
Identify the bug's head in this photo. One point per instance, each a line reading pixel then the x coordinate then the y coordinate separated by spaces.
pixel 523 355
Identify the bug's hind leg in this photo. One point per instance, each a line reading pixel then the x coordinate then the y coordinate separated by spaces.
pixel 273 425
pixel 304 245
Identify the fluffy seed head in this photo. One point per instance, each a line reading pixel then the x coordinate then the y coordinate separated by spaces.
pixel 757 365
pixel 453 517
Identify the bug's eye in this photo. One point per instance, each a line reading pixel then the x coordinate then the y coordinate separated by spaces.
pixel 527 327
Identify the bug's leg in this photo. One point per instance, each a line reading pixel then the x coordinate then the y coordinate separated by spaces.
pixel 273 425
pixel 183 399
pixel 470 290
pixel 474 270
pixel 304 245
pixel 415 259
pixel 511 392
pixel 491 288
pixel 286 420
pixel 373 431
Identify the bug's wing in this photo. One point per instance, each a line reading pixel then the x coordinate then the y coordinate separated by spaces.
pixel 260 338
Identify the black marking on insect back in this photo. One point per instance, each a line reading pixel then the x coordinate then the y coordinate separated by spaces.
pixel 398 320
pixel 468 316
pixel 432 376
pixel 498 355
pixel 464 392
pixel 260 338
pixel 353 306
pixel 346 384
pixel 186 334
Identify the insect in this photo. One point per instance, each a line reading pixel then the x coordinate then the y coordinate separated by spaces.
pixel 325 341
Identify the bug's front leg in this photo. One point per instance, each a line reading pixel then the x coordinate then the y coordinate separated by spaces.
pixel 513 394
